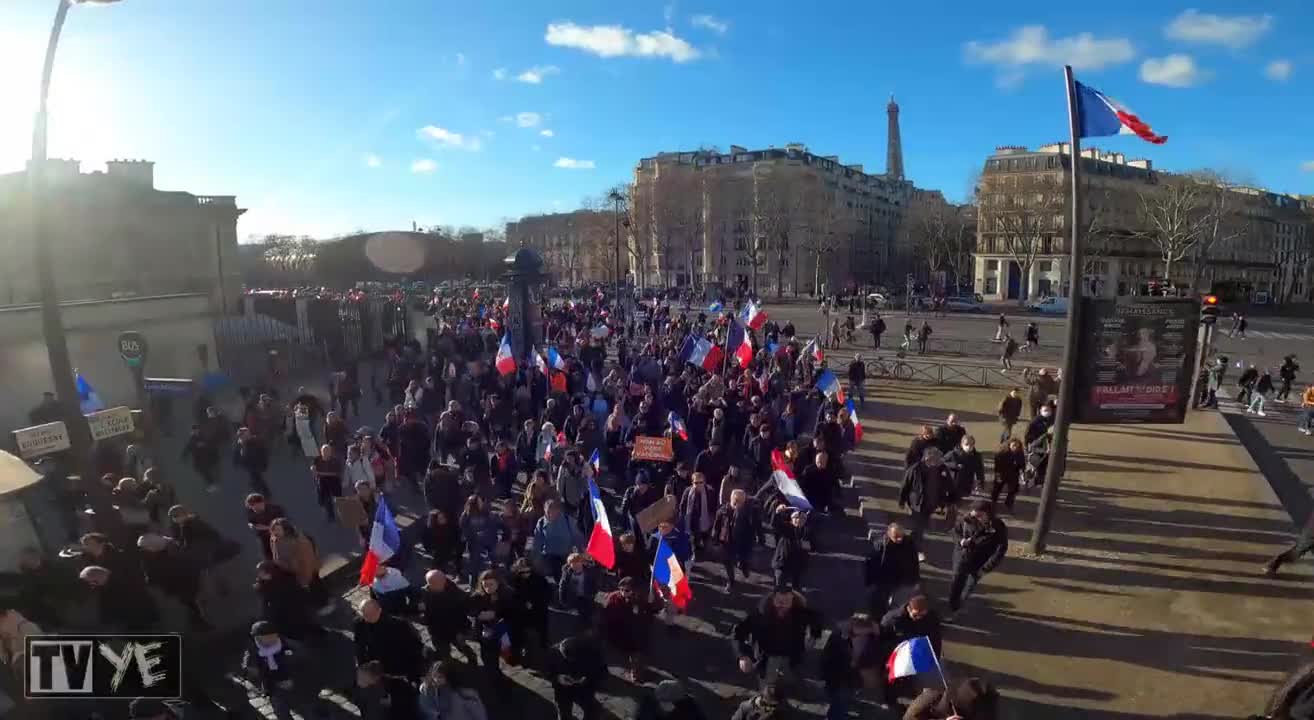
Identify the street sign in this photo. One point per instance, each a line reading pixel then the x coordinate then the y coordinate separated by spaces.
pixel 133 348
pixel 168 386
pixel 41 440
pixel 110 423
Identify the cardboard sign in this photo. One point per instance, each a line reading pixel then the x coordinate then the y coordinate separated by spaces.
pixel 652 448
pixel 655 513
pixel 110 423
pixel 351 512
pixel 42 439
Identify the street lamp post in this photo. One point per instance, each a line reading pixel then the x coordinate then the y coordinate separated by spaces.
pixel 52 323
pixel 616 198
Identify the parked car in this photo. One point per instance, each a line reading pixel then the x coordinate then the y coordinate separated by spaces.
pixel 965 303
pixel 1049 306
pixel 876 300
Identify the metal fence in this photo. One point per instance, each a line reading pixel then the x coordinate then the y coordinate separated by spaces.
pixel 940 372
pixel 977 346
pixel 277 338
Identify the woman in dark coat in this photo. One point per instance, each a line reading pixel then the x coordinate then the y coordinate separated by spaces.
pixel 441 538
pixel 626 624
pixel 791 558
pixel 282 600
pixel 494 609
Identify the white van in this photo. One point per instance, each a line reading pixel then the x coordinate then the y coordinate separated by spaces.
pixel 1050 306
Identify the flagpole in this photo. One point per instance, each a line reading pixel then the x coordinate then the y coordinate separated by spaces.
pixel 1067 393
pixel 943 680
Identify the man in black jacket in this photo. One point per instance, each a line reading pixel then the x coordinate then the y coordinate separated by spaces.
pixel 576 668
pixel 966 467
pixel 858 380
pixel 981 542
pixel 273 663
pixel 445 609
pixel 772 639
pixel 891 568
pixel 389 640
pixel 252 454
pixel 926 488
pixel 915 618
pixel 950 434
pixel 738 529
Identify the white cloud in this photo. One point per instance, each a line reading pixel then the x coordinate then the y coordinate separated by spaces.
pixel 499 74
pixel 609 41
pixel 423 166
pixel 448 139
pixel 1173 71
pixel 573 164
pixel 1279 70
pixel 1307 166
pixel 528 119
pixel 460 58
pixel 707 22
pixel 1235 31
pixel 372 160
pixel 1032 45
pixel 535 75
pixel 546 133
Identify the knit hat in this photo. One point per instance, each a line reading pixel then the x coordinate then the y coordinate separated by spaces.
pixel 670 691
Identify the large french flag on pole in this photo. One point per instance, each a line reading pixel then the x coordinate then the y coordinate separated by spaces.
pixel 1101 116
pixel 753 315
pixel 739 345
pixel 669 576
pixel 783 476
pixel 385 541
pixel 706 356
pixel 506 362
pixel 912 657
pixel 829 385
pixel 601 546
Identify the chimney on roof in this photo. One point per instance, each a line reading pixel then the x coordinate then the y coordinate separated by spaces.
pixel 137 172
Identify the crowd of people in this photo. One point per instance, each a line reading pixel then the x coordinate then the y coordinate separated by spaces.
pixel 507 459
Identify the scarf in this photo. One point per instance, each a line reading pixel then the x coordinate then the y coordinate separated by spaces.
pixel 268 652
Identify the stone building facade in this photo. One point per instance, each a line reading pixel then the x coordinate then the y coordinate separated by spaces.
pixel 577 247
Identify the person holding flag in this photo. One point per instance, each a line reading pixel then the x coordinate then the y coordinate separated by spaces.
pixel 384 542
pixel 506 361
pixel 738 344
pixel 672 551
pixel 853 417
pixel 829 385
pixel 753 316
pixel 602 545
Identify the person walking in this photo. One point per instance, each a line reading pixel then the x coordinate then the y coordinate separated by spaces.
pixel 877 329
pixel 771 641
pixel 1009 411
pixel 251 453
pixel 1306 410
pixel 923 337
pixel 1241 325
pixel 1287 374
pixel 576 669
pixel 851 660
pixel 926 489
pixel 327 470
pixel 1303 544
pixel 1010 462
pixel 891 568
pixel 981 543
pixel 1032 336
pixel 1001 328
pixel 1006 356
pixel 1263 386
pixel 738 530
pixel 858 380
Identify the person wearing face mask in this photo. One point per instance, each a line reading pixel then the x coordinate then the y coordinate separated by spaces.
pixel 771 641
pixel 1039 424
pixel 1038 458
pixel 926 489
pixel 851 660
pixel 981 541
pixel 891 569
pixel 966 467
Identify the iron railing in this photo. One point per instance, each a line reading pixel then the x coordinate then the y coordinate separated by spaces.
pixel 941 372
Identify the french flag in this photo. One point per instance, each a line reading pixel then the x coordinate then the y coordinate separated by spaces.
pixel 677 426
pixel 1101 116
pixel 753 315
pixel 669 576
pixel 783 477
pixel 385 541
pixel 739 345
pixel 88 399
pixel 554 359
pixel 829 385
pixel 601 546
pixel 715 307
pixel 687 348
pixel 541 363
pixel 595 460
pixel 814 350
pixel 506 304
pixel 706 355
pixel 857 424
pixel 506 362
pixel 912 657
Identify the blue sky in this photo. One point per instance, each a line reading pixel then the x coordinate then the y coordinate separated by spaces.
pixel 324 117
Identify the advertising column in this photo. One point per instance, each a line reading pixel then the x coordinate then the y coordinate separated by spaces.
pixel 1136 360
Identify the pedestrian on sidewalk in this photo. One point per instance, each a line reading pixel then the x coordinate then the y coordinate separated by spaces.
pixel 926 489
pixel 204 456
pixel 1033 336
pixel 1009 411
pixel 1306 409
pixel 1241 325
pixel 327 470
pixel 877 329
pixel 1010 463
pixel 1263 387
pixel 1006 357
pixel 1303 544
pixel 1245 384
pixel 1287 374
pixel 923 337
pixel 891 569
pixel 1001 328
pixel 982 541
pixel 858 380
pixel 274 664
pixel 252 455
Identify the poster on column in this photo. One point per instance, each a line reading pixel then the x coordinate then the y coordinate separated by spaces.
pixel 1135 360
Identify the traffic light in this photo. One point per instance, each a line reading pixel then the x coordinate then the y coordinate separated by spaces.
pixel 1209 309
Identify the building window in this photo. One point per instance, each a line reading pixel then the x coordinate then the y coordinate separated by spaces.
pixel 992 265
pixel 1045 266
pixel 991 284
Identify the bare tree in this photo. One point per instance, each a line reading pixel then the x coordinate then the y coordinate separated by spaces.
pixel 291 259
pixel 1171 217
pixel 828 232
pixel 1024 219
pixel 780 214
pixel 1222 223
